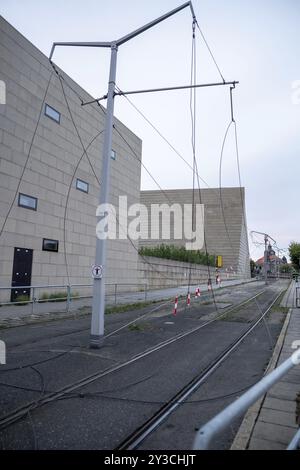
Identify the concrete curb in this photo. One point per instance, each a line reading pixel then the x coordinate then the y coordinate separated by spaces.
pixel 38 318
pixel 243 435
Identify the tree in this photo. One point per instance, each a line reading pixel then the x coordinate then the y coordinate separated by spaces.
pixel 285 268
pixel 294 251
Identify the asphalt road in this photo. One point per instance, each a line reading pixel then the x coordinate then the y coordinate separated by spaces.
pixel 48 356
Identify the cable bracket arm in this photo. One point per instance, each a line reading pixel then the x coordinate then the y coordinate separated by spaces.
pixel 231 102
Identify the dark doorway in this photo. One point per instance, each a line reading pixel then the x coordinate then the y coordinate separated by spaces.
pixel 21 275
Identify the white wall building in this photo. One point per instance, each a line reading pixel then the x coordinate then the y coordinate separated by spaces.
pixel 48 189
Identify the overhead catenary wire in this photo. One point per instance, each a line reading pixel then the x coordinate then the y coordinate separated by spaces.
pixel 193 136
pixel 65 393
pixel 210 52
pixel 193 108
pixel 100 394
pixel 220 184
pixel 134 154
pixel 162 136
pixel 233 123
pixel 193 111
pixel 191 85
pixel 81 100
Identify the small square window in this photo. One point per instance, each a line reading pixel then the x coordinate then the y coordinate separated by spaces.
pixel 113 154
pixel 82 185
pixel 50 245
pixel 52 113
pixel 28 202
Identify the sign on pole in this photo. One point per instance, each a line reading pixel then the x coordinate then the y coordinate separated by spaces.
pixel 97 271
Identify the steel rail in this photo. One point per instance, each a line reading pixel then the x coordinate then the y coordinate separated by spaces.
pixel 139 435
pixel 22 411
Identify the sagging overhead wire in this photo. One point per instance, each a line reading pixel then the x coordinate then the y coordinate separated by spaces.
pixel 193 136
pixel 28 154
pixel 244 226
pixel 161 135
pixel 134 154
pixel 210 52
pixel 193 112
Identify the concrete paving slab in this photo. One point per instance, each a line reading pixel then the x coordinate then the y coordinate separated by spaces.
pixel 275 425
pixel 280 405
pixel 263 444
pixel 285 390
pixel 283 418
pixel 273 432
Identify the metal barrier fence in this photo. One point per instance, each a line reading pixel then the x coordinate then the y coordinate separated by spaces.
pixel 297 297
pixel 237 409
pixel 77 295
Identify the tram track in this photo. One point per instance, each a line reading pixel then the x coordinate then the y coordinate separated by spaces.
pixel 68 391
pixel 23 410
pixel 138 436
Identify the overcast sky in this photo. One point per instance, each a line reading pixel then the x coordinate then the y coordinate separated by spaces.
pixel 256 42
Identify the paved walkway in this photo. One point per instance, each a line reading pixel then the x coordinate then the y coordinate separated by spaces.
pixel 34 311
pixel 271 423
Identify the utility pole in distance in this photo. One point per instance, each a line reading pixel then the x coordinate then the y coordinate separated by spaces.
pixel 266 239
pixel 98 306
pixel 266 259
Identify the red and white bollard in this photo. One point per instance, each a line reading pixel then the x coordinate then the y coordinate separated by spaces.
pixel 197 293
pixel 188 300
pixel 176 305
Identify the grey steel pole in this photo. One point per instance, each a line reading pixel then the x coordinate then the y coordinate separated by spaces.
pixel 97 324
pixel 266 260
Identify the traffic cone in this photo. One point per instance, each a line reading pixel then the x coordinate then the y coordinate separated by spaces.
pixel 176 305
pixel 197 293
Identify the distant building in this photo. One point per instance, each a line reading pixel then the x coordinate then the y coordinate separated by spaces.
pixel 272 265
pixel 224 223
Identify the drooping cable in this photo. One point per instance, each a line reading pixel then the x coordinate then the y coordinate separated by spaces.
pixel 220 185
pixel 195 165
pixel 134 154
pixel 67 200
pixel 240 186
pixel 233 123
pixel 28 154
pixel 193 136
pixel 210 52
pixel 161 135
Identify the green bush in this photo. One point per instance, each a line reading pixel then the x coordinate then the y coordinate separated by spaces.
pixel 57 296
pixel 22 300
pixel 286 268
pixel 178 254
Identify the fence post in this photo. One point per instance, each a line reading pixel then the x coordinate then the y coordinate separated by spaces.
pixel 116 286
pixel 68 297
pixel 32 301
pixel 145 291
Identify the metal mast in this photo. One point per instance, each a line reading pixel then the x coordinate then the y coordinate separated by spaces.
pixel 98 307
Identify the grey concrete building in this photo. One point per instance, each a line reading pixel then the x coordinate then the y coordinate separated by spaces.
pixel 49 185
pixel 223 221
